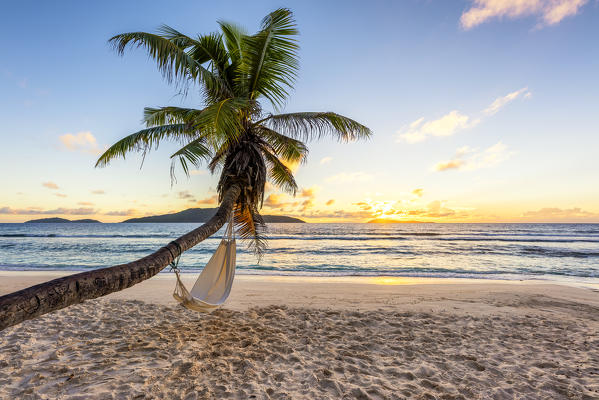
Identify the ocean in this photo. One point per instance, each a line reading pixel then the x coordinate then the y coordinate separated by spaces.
pixel 499 251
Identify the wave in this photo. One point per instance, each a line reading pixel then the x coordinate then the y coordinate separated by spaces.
pixel 545 252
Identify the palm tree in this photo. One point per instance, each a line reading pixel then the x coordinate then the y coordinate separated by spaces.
pixel 232 134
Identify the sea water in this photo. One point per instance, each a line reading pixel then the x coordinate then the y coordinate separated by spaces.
pixel 499 251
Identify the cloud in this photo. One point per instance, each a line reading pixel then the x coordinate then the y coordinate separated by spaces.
pixel 435 209
pixel 309 192
pixel 85 203
pixel 418 192
pixel 549 12
pixel 330 202
pixel 83 142
pixel 467 159
pixel 500 102
pixel 447 125
pixel 60 195
pixel 561 214
pixel 274 200
pixel 198 172
pixel 212 200
pixel 326 160
pixel 455 121
pixel 50 185
pixel 57 211
pixel 309 195
pixel 185 195
pixel 283 202
pixel 447 165
pixel 122 213
pixel 350 177
pixel 98 192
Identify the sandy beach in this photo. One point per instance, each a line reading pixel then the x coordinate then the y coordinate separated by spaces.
pixel 289 338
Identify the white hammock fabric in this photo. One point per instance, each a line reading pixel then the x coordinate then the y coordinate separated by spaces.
pixel 214 283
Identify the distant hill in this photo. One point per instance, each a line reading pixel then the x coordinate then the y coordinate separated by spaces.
pixel 394 221
pixel 203 215
pixel 61 220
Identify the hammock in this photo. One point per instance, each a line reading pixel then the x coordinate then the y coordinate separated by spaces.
pixel 214 283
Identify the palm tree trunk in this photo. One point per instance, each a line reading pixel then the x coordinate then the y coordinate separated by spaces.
pixel 60 293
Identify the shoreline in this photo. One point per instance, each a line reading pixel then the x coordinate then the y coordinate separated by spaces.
pixel 343 292
pixel 382 279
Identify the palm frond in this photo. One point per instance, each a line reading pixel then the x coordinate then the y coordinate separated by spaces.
pixel 177 38
pixel 144 140
pixel 289 149
pixel 174 63
pixel 233 37
pixel 219 157
pixel 211 48
pixel 170 115
pixel 192 153
pixel 251 228
pixel 223 118
pixel 279 174
pixel 310 125
pixel 270 58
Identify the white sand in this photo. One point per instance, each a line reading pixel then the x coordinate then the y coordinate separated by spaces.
pixel 310 338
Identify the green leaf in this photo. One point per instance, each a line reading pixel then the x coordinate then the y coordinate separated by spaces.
pixel 270 58
pixel 173 61
pixel 170 115
pixel 310 125
pixel 144 140
pixel 194 153
pixel 289 149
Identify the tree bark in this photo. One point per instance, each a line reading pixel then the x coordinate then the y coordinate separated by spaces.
pixel 73 289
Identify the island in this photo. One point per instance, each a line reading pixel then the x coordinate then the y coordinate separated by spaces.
pixel 203 215
pixel 62 220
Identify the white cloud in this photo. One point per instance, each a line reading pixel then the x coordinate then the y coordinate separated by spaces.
pixel 349 177
pixel 83 141
pixel 550 12
pixel 447 125
pixel 455 121
pixel 326 160
pixel 500 102
pixel 468 159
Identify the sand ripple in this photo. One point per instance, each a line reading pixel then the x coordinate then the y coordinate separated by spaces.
pixel 117 349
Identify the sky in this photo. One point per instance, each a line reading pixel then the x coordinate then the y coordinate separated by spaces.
pixel 482 110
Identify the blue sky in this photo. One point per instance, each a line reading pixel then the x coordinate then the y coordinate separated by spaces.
pixel 479 112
